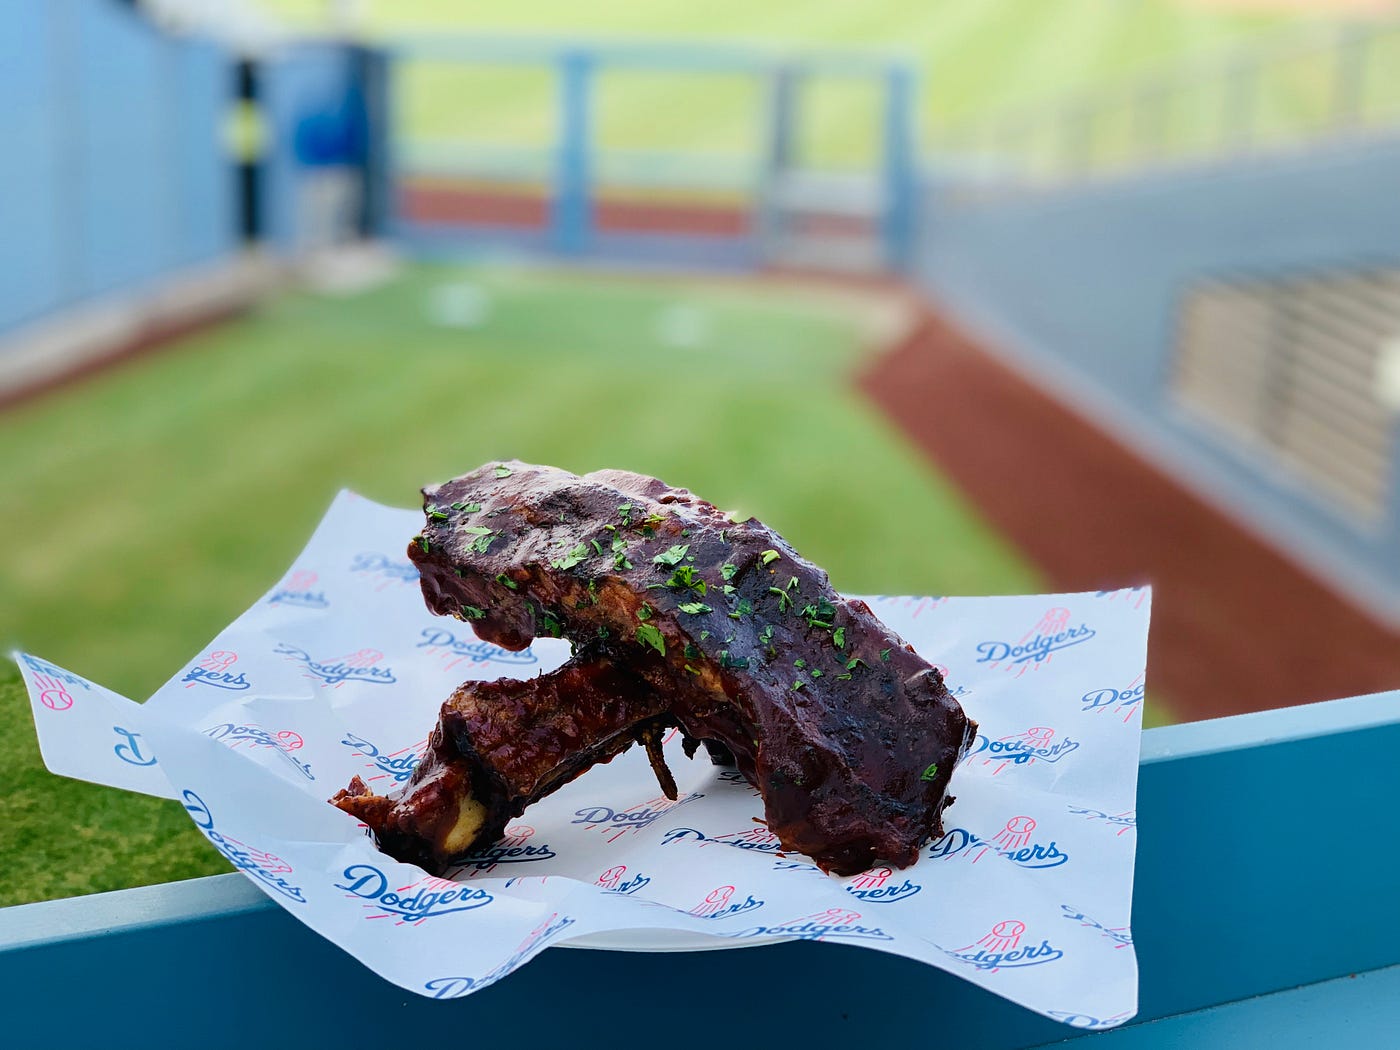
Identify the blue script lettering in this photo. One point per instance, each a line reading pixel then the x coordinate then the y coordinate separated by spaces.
pixel 632 820
pixel 338 672
pixel 39 666
pixel 1018 752
pixel 885 894
pixel 492 855
pixel 400 767
pixel 1031 955
pixel 1037 649
pixel 369 883
pixel 1103 697
pixel 236 853
pixel 477 651
pixel 305 599
pixel 384 566
pixel 815 931
pixel 1033 855
pixel 130 750
pixel 690 834
pixel 218 679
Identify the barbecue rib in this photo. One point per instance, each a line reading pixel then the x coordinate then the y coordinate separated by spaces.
pixel 678 616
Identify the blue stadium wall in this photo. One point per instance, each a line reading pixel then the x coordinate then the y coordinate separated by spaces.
pixel 1083 285
pixel 112 170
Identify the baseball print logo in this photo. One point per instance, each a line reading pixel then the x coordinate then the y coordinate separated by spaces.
pixel 1002 949
pixel 831 924
pixel 359 666
pixel 874 887
pixel 615 823
pixel 213 670
pixel 514 847
pixel 1013 843
pixel 1051 634
pixel 411 904
pixel 383 571
pixel 52 692
pixel 54 677
pixel 719 904
pixel 454 650
pixel 1036 744
pixel 397 766
pixel 1075 1020
pixel 733 776
pixel 757 839
pixel 1126 701
pixel 1121 936
pixel 298 591
pixel 616 880
pixel 258 864
pixel 1124 822
pixel 284 742
pixel 536 940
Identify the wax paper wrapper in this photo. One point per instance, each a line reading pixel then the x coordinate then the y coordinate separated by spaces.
pixel 340 670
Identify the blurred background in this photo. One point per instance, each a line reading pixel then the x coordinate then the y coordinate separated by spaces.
pixel 974 297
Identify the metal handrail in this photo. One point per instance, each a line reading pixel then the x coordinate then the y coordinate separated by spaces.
pixel 1327 81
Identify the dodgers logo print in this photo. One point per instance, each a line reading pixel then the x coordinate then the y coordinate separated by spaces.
pixel 1013 843
pixel 831 924
pixel 53 692
pixel 128 749
pixel 535 940
pixel 453 650
pixel 258 864
pixel 214 671
pixel 757 839
pixel 414 903
pixel 382 570
pixel 874 887
pixel 615 823
pixel 1020 750
pixel 1124 822
pixel 54 677
pixel 616 880
pixel 513 847
pixel 1127 701
pixel 397 766
pixel 359 666
pixel 298 591
pixel 719 904
pixel 1120 936
pixel 1051 634
pixel 283 742
pixel 1001 949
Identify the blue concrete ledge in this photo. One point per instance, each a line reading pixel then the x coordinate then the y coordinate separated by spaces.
pixel 1264 916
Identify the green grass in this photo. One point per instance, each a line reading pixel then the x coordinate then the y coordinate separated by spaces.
pixel 977 58
pixel 151 504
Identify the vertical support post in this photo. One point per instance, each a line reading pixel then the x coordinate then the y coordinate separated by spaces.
pixel 778 158
pixel 899 226
pixel 572 217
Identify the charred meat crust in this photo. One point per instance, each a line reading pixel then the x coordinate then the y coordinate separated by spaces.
pixel 678 615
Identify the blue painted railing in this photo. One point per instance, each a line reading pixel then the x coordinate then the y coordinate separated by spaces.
pixel 1265 884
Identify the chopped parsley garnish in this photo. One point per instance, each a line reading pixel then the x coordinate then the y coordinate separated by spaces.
pixel 423 544
pixel 816 673
pixel 838 637
pixel 844 677
pixel 648 634
pixel 644 613
pixel 770 556
pixel 737 662
pixel 471 612
pixel 437 515
pixel 503 471
pixel 704 635
pixel 506 581
pixel 483 542
pixel 799 663
pixel 673 556
pixel 793 584
pixel 477 530
pixel 685 577
pixel 797 686
pixel 784 602
pixel 727 570
pixel 744 608
pixel 653 520
pixel 766 635
pixel 930 772
pixel 625 513
pixel 885 654
pixel 694 608
pixel 855 662
pixel 818 613
pixel 467 508
pixel 551 623
pixel 597 547
pixel 571 559
pixel 691 653
pixel 729 589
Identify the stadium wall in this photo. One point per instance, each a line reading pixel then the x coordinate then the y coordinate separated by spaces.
pixel 112 168
pixel 1083 285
